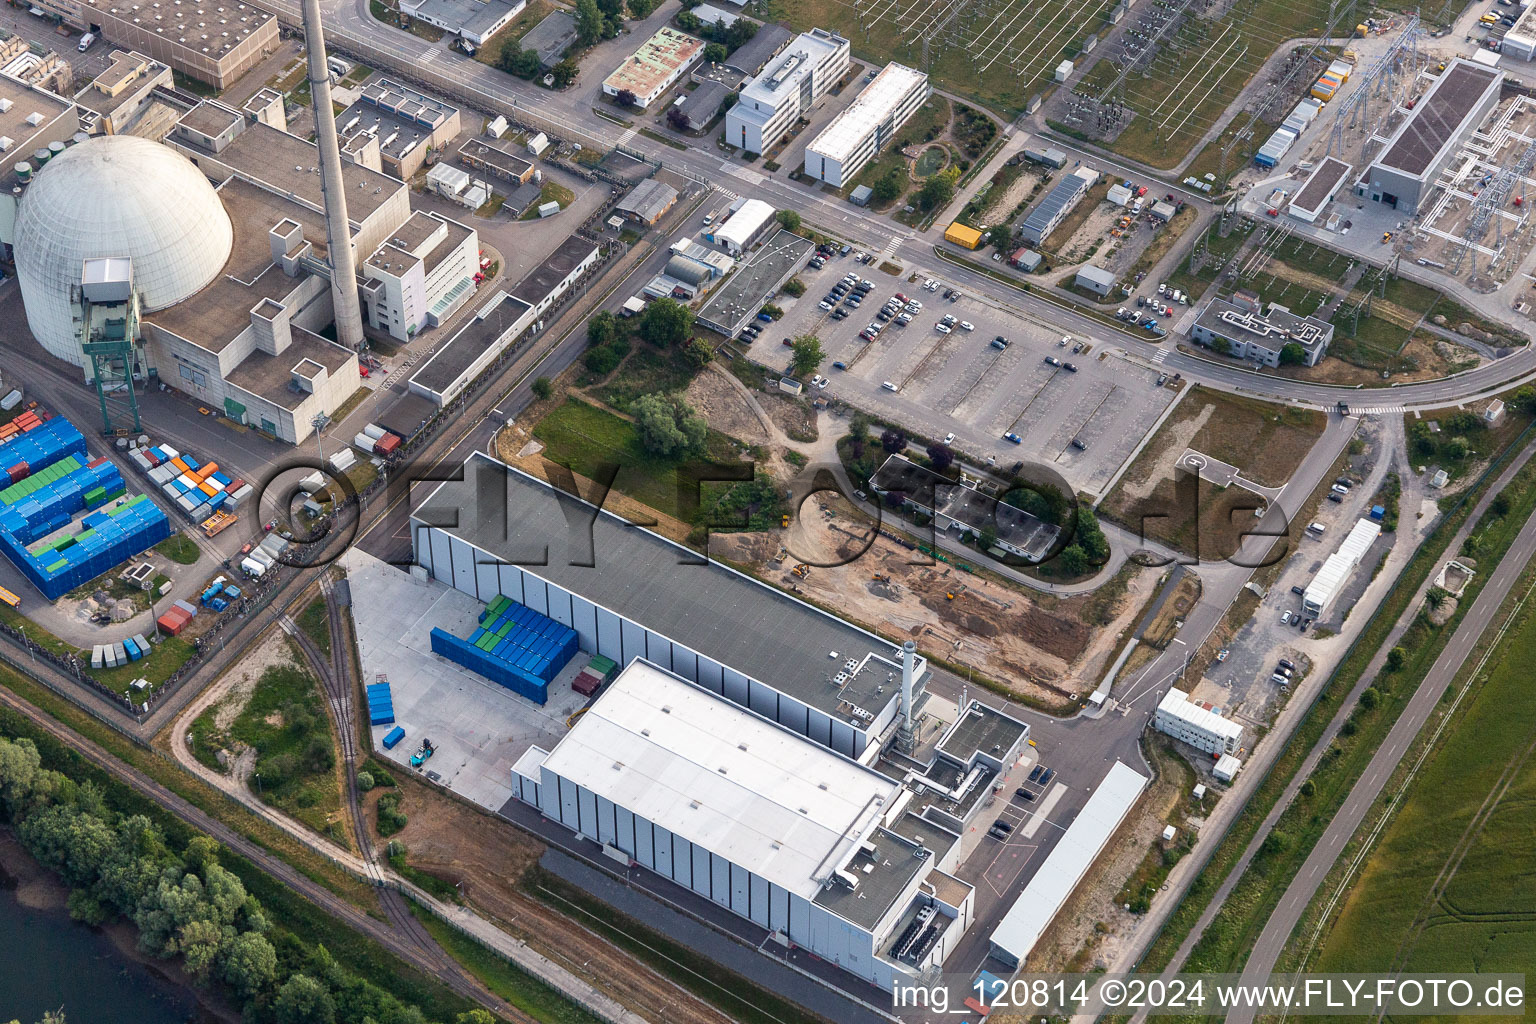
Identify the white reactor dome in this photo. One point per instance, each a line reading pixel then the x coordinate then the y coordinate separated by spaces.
pixel 115 195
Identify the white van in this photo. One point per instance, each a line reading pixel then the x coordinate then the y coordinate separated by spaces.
pixel 888 386
pixel 87 41
pixel 1315 529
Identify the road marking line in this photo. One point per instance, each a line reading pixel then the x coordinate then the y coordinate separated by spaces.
pixel 1046 806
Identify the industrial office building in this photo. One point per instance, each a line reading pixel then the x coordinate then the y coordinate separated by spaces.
pixel 1404 171
pixel 1520 40
pixel 213 41
pixel 653 69
pixel 1064 867
pixel 1202 729
pixel 747 222
pixel 647 202
pixel 964 509
pixel 754 282
pixel 1240 328
pixel 1330 579
pixel 1097 280
pixel 501 322
pixel 865 126
pixel 790 85
pixel 407 123
pixel 630 593
pixel 119 98
pixel 1322 184
pixel 473 20
pixel 1061 200
pixel 421 276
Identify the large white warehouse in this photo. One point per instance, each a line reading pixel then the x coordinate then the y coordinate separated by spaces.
pixel 630 593
pixel 1330 579
pixel 754 817
pixel 1183 719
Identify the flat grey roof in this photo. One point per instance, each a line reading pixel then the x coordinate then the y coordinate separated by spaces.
pixel 750 56
pixel 649 199
pixel 475 16
pixel 445 367
pixel 26 100
pixel 214 27
pixel 551 37
pixel 708 607
pixel 704 102
pixel 896 862
pixel 269 376
pixel 556 267
pixel 983 729
pixel 1320 185
pixel 1438 116
pixel 745 290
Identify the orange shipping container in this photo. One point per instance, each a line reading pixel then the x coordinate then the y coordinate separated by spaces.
pixel 180 464
pixel 206 470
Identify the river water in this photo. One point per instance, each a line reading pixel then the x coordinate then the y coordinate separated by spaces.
pixel 48 961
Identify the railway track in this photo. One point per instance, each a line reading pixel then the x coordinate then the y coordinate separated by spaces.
pixel 336 678
pixel 345 913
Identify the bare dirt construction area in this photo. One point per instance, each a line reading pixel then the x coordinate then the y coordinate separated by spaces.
pixel 1422 358
pixel 1265 442
pixel 489 857
pixel 717 398
pixel 1043 649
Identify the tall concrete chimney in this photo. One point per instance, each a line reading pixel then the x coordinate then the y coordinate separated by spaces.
pixel 338 232
pixel 905 737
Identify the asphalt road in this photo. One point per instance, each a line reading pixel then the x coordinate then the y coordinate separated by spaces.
pixel 572 110
pixel 1320 748
pixel 1298 895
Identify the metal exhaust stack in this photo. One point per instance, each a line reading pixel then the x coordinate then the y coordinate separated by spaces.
pixel 905 737
pixel 338 232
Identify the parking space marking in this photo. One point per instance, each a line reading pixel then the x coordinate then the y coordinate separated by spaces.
pixel 1014 423
pixel 1084 426
pixel 933 350
pixel 1046 807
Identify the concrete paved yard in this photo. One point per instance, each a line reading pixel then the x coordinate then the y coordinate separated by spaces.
pixel 478 727
pixel 959 383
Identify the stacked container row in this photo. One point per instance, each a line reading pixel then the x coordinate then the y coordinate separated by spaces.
pixel 106 539
pixel 47 443
pixel 23 423
pixel 514 646
pixel 381 705
pixel 198 489
pixel 1272 151
pixel 48 499
pixel 376 440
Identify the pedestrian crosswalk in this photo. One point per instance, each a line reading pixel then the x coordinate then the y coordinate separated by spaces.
pixel 891 247
pixel 1160 356
pixel 432 55
pixel 624 139
pixel 1378 410
pixel 732 196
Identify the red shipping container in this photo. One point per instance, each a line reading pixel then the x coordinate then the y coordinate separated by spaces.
pixel 387 444
pixel 586 683
pixel 234 485
pixel 99 460
pixel 19 472
pixel 172 622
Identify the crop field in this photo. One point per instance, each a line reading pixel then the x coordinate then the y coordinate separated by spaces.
pixel 1173 75
pixel 997 52
pixel 1450 887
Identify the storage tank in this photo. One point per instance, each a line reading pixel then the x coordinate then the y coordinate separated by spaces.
pixel 23 172
pixel 54 149
pixel 41 156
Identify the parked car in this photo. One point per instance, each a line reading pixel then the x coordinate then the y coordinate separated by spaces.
pixel 949 438
pixel 966 325
pixel 942 328
pixel 1285 618
pixel 1026 794
pixel 1069 367
pixel 1298 590
pixel 1034 773
pixel 1013 438
pixel 1079 444
pixel 889 386
pixel 1004 824
pixel 1053 361
pixel 1287 663
pixel 1050 773
pixel 999 342
pixel 839 365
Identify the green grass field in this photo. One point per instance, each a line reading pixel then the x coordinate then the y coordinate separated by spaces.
pixel 1199 70
pixel 1449 887
pixel 285 720
pixel 179 548
pixel 586 439
pixel 316 624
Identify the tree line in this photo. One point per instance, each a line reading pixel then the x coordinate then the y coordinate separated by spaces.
pixel 184 903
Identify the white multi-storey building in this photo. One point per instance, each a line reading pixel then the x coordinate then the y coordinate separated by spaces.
pixel 421 275
pixel 1185 720
pixel 791 84
pixel 866 125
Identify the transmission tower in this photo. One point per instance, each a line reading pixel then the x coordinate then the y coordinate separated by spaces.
pixel 1488 204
